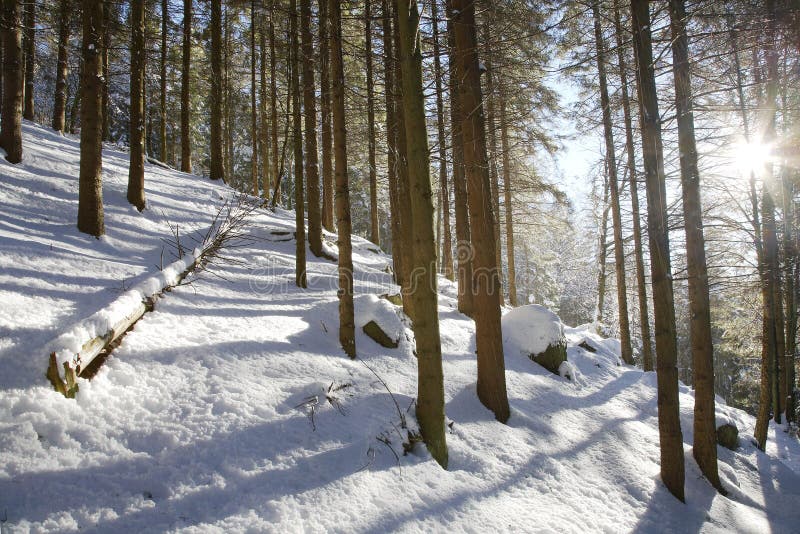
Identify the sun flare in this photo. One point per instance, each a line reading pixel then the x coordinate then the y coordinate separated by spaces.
pixel 751 157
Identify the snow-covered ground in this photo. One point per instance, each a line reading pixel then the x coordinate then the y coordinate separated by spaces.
pixel 232 408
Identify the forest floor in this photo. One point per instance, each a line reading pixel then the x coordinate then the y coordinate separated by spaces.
pixel 232 408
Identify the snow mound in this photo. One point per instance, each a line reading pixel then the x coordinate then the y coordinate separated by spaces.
pixel 532 328
pixel 371 308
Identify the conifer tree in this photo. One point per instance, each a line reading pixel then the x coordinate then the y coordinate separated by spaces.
pixel 11 125
pixel 137 107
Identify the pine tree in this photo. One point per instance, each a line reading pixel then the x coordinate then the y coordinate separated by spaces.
pixel 90 189
pixel 488 333
pixel 29 45
pixel 297 139
pixel 310 110
pixel 137 107
pixel 217 171
pixel 669 423
pixel 11 119
pixel 62 66
pixel 347 337
pixel 186 134
pixel 430 401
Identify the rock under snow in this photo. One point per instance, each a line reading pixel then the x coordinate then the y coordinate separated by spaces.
pixel 537 333
pixel 378 319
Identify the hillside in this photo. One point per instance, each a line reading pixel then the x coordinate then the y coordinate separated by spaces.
pixel 201 421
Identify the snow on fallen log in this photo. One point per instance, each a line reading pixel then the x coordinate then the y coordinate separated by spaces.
pixel 75 349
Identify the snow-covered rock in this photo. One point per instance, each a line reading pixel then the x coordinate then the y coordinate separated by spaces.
pixel 537 333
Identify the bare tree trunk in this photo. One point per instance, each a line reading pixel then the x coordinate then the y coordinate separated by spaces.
pixel 705 430
pixel 11 125
pixel 29 38
pixel 669 424
pixel 227 99
pixel 641 285
pixel 106 102
pixel 347 336
pixel 509 208
pixel 263 138
pixel 310 109
pixel 375 233
pixel 62 67
pixel 493 171
pixel 602 250
pixel 137 107
pixel 447 238
pixel 162 151
pixel 273 98
pixel 464 249
pixel 253 102
pixel 430 390
pixel 616 216
pixel 488 334
pixel 297 136
pixel 325 105
pixel 391 139
pixel 217 170
pixel 90 190
pixel 186 133
pixel 404 271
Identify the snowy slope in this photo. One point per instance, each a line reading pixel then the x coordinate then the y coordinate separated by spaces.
pixel 201 419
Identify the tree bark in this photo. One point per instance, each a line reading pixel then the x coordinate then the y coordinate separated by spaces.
pixel 11 119
pixel 297 137
pixel 263 138
pixel 137 107
pixel 90 190
pixel 391 138
pixel 705 429
pixel 641 285
pixel 186 133
pixel 325 105
pixel 464 251
pixel 669 424
pixel 106 101
pixel 488 333
pixel 310 110
pixel 162 151
pixel 347 336
pixel 613 188
pixel 29 38
pixel 375 233
pixel 494 178
pixel 217 170
pixel 507 186
pixel 253 102
pixel 430 391
pixel 444 195
pixel 62 66
pixel 273 99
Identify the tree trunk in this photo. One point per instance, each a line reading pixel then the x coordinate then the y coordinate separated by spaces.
pixel 603 250
pixel 217 170
pixel 90 190
pixel 297 138
pixel 310 109
pixel 11 119
pixel 430 400
pixel 375 233
pixel 493 171
pixel 641 285
pixel 227 97
pixel 62 66
pixel 507 186
pixel 347 336
pixel 488 334
pixel 325 104
pixel 106 101
pixel 162 151
pixel 391 139
pixel 253 102
pixel 790 259
pixel 464 252
pixel 29 39
pixel 616 216
pixel 137 107
pixel 273 99
pixel 444 195
pixel 705 429
pixel 404 271
pixel 669 424
pixel 263 138
pixel 186 133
